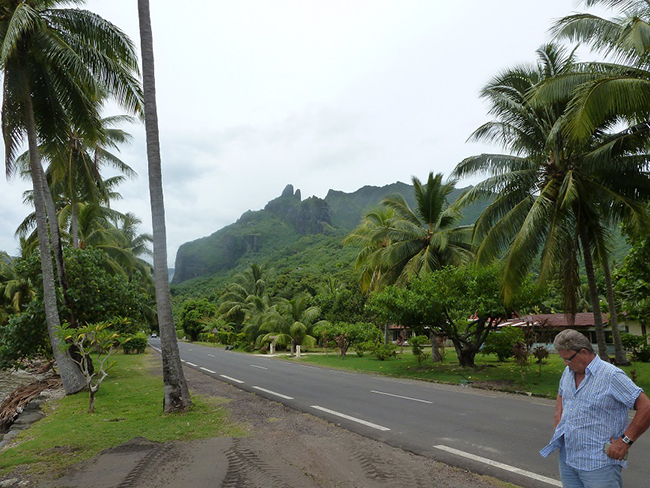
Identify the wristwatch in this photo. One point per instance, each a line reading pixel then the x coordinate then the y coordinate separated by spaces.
pixel 627 440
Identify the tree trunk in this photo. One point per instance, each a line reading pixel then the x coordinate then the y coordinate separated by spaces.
pixel 177 395
pixel 74 225
pixel 593 293
pixel 435 352
pixel 71 375
pixel 621 358
pixel 465 355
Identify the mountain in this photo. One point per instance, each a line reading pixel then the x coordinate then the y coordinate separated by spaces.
pixel 287 227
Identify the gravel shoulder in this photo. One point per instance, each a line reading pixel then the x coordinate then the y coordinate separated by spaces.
pixel 285 448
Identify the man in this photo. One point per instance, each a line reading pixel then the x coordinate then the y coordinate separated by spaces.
pixel 591 416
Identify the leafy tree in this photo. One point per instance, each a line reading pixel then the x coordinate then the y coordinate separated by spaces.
pixel 177 395
pixel 465 305
pixel 400 244
pixel 346 334
pixel 41 101
pixel 633 281
pixel 194 315
pixel 98 296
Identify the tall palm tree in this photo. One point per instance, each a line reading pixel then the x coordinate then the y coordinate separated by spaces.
pixel 55 64
pixel 400 244
pixel 552 197
pixel 177 396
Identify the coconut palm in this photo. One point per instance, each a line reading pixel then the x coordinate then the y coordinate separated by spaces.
pixel 400 244
pixel 291 322
pixel 552 198
pixel 608 92
pixel 56 63
pixel 177 396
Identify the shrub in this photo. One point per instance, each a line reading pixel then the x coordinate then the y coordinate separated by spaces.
pixel 135 344
pixel 638 346
pixel 501 342
pixel 540 353
pixel 363 347
pixel 417 346
pixel 384 351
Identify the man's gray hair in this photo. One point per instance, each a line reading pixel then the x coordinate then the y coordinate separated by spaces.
pixel 572 340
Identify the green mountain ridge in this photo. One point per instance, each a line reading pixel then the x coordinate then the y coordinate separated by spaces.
pixel 290 233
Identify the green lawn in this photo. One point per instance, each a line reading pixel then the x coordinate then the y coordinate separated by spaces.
pixel 489 373
pixel 128 404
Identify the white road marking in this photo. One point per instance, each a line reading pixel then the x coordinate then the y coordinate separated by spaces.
pixel 208 370
pixel 273 393
pixel 191 364
pixel 399 396
pixel 190 349
pixel 256 366
pixel 354 419
pixel 183 361
pixel 231 379
pixel 543 404
pixel 497 464
pixel 211 355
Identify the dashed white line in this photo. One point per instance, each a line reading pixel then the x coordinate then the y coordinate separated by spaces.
pixel 348 417
pixel 231 379
pixel 190 349
pixel 400 396
pixel 256 366
pixel 191 364
pixel 497 464
pixel 212 355
pixel 273 393
pixel 208 370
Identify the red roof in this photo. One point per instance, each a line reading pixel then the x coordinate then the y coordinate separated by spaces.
pixel 555 320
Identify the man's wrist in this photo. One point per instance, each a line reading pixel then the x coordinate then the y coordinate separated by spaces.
pixel 627 440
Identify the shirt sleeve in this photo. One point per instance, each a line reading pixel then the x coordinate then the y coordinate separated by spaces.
pixel 623 389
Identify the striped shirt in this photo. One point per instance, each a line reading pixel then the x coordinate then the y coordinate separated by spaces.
pixel 593 414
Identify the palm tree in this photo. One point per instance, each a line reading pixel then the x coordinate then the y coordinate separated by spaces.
pixel 400 244
pixel 55 64
pixel 607 92
pixel 177 396
pixel 291 322
pixel 552 198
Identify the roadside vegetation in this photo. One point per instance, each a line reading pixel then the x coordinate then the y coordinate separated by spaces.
pixel 127 406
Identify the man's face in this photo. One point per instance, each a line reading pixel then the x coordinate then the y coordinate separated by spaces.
pixel 577 361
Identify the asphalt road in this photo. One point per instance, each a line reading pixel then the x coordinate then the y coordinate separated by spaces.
pixel 486 432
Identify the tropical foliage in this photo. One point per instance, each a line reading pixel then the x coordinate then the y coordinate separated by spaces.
pixel 400 244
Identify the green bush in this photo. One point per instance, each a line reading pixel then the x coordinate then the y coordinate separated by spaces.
pixel 501 342
pixel 385 351
pixel 363 347
pixel 135 344
pixel 638 346
pixel 417 346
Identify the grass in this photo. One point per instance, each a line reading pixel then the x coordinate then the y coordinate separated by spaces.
pixel 128 404
pixel 489 373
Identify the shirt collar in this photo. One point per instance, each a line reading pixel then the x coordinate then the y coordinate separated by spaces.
pixel 595 364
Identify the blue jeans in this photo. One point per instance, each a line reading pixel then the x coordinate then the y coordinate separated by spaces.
pixel 607 477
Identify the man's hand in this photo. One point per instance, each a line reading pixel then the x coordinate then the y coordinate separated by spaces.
pixel 617 449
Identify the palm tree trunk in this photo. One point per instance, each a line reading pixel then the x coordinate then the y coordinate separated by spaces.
pixel 74 225
pixel 73 379
pixel 177 395
pixel 619 352
pixel 593 294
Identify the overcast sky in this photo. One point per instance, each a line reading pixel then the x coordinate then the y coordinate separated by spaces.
pixel 256 94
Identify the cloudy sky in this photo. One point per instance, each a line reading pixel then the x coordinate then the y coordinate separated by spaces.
pixel 256 94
